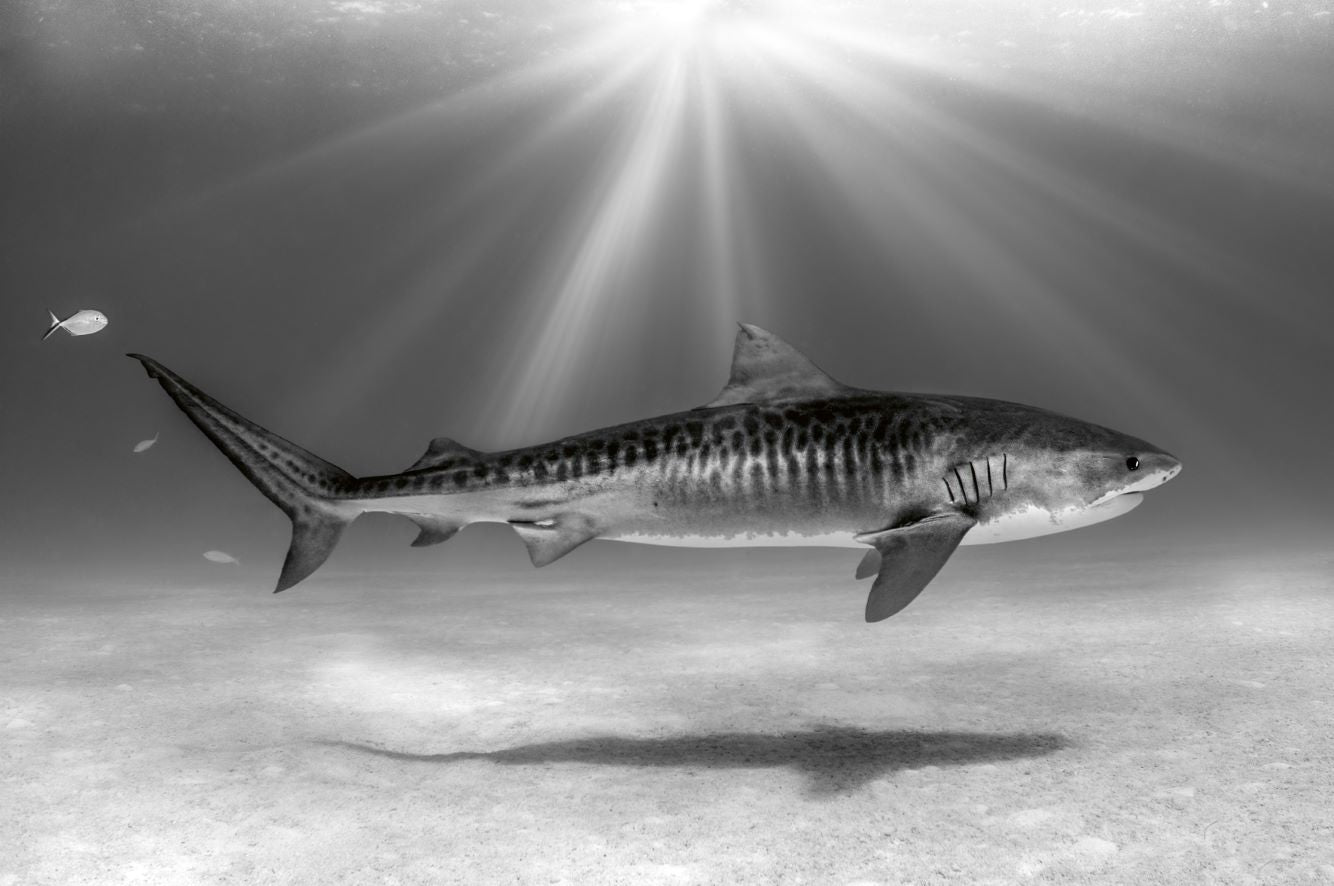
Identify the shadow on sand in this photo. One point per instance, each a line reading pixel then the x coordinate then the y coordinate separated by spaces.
pixel 837 759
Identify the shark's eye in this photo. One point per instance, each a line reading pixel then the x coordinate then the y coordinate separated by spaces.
pixel 1132 464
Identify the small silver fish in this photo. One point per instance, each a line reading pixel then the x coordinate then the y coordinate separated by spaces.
pixel 146 444
pixel 220 557
pixel 84 322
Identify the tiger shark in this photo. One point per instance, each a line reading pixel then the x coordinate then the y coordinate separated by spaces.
pixel 784 455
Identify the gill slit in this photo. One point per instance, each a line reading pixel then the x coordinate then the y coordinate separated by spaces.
pixel 962 491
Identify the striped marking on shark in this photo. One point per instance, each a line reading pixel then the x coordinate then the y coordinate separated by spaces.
pixel 784 455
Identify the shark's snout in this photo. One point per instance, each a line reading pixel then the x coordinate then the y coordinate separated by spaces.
pixel 1155 469
pixel 1170 468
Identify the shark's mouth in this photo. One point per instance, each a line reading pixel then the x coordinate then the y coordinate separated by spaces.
pixel 1123 502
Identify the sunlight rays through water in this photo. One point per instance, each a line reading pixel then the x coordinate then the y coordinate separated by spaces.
pixel 639 121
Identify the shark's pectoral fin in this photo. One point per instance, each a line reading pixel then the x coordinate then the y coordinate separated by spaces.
pixel 910 556
pixel 549 540
pixel 434 529
pixel 869 565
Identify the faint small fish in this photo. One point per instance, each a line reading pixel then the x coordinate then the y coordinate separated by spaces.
pixel 220 557
pixel 146 444
pixel 81 323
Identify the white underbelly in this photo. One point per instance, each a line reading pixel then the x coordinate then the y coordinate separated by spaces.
pixel 1030 522
pixel 743 540
pixel 1033 521
pixel 1012 526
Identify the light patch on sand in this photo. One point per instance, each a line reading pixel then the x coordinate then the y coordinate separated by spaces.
pixel 1094 847
pixel 1031 818
pixel 1032 864
pixel 362 7
pixel 1090 851
pixel 1086 853
pixel 661 873
pixel 1172 793
pixel 387 686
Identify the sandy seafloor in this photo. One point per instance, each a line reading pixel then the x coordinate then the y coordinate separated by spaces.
pixel 729 720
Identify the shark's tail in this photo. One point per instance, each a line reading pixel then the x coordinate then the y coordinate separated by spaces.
pixel 305 486
pixel 55 324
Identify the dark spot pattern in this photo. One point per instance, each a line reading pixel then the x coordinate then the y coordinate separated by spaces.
pixel 816 455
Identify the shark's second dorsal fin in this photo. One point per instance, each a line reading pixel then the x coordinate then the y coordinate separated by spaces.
pixel 766 369
pixel 444 452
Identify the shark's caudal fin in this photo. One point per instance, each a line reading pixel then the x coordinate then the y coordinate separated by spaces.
pixel 299 483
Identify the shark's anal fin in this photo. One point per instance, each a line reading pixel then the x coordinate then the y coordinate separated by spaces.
pixel 549 540
pixel 766 369
pixel 434 530
pixel 910 556
pixel 444 452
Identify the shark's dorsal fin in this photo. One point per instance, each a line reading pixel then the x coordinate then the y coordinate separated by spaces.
pixel 444 452
pixel 766 369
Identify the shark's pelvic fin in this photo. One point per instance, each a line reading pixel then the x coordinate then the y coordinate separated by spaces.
pixel 443 453
pixel 434 529
pixel 297 481
pixel 549 540
pixel 910 556
pixel 766 369
pixel 869 565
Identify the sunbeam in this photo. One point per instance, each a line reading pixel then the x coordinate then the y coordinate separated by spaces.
pixel 641 165
pixel 569 309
